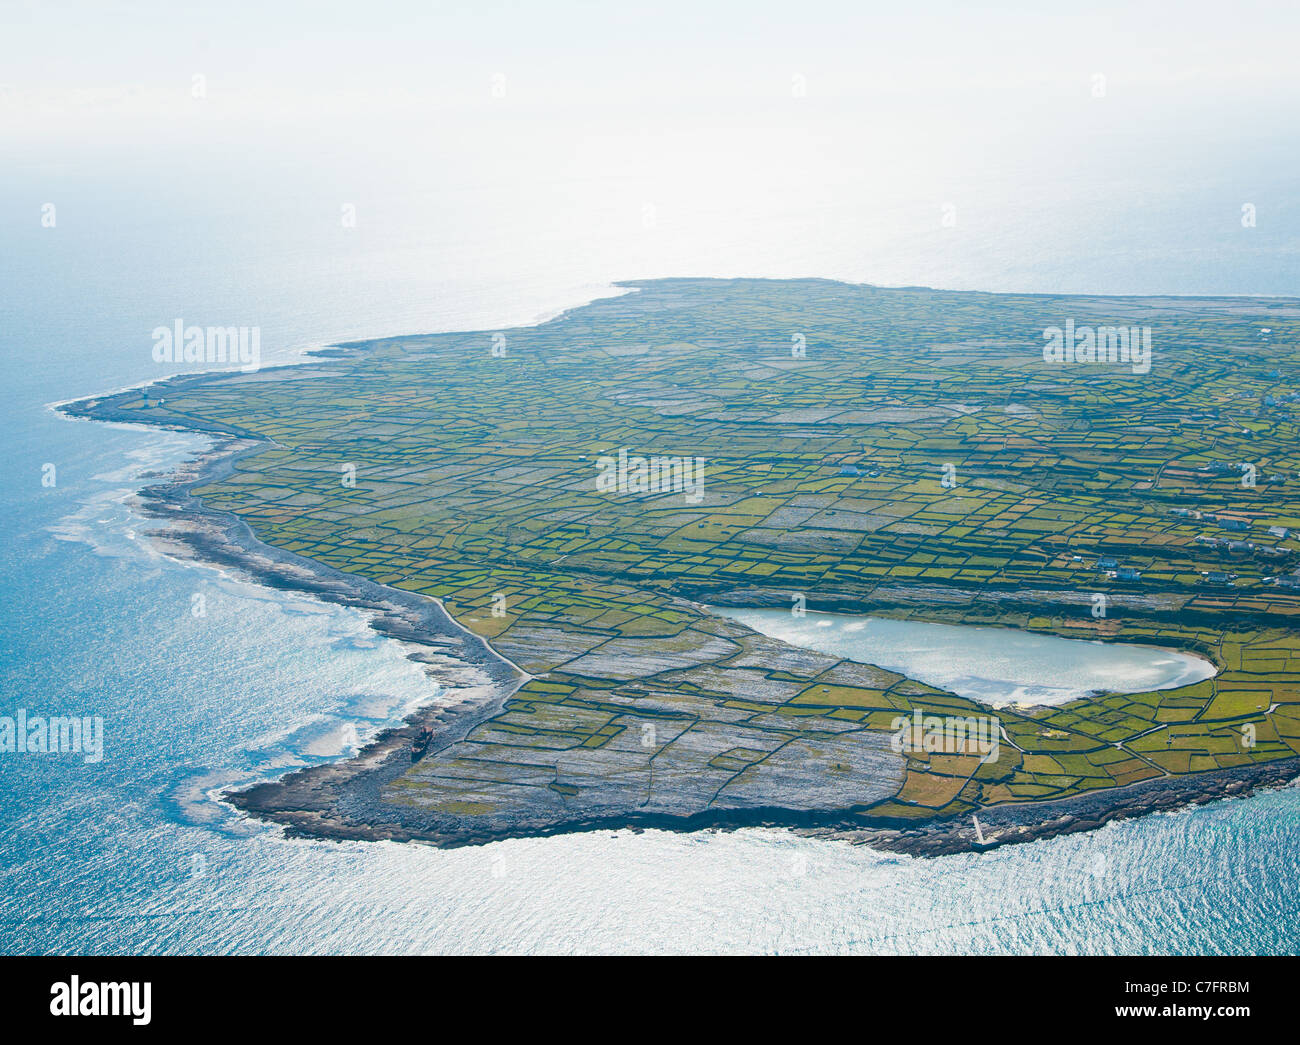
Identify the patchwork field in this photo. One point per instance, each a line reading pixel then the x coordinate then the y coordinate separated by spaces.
pixel 908 452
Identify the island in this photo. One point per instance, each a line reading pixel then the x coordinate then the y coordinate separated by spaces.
pixel 552 517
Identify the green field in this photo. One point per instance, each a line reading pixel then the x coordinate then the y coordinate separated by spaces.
pixel 476 477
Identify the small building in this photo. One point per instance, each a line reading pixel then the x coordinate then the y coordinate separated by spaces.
pixel 1128 573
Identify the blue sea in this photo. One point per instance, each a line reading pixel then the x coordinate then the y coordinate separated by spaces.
pixel 134 853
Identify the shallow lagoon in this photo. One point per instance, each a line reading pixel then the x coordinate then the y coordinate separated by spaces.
pixel 997 666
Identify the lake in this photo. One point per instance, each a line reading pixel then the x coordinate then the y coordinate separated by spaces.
pixel 997 666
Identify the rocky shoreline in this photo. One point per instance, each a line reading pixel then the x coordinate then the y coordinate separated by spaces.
pixel 1027 822
pixel 333 802
pixel 476 681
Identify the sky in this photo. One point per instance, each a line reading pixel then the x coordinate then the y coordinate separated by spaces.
pixel 130 66
pixel 779 133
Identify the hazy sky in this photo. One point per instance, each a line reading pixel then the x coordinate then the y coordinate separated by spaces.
pixel 96 63
pixel 688 138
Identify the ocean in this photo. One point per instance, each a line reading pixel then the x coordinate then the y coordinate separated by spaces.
pixel 133 852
